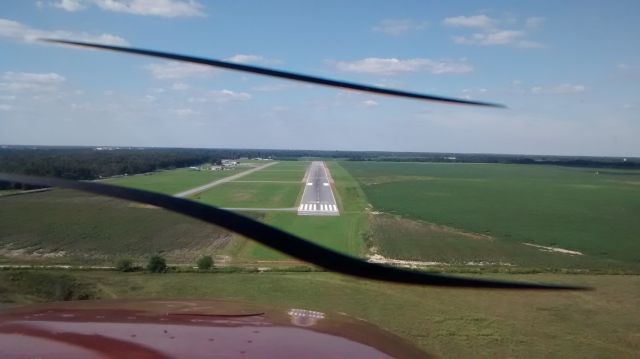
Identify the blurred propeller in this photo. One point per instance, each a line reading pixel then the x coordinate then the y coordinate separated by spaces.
pixel 277 73
pixel 277 239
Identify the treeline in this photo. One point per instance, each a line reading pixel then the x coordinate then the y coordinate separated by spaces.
pixel 88 163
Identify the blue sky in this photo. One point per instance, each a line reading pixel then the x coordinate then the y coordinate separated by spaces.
pixel 568 71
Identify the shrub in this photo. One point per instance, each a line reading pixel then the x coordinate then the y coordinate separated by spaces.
pixel 125 265
pixel 157 264
pixel 205 263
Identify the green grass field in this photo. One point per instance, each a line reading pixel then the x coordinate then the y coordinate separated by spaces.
pixel 251 195
pixel 586 210
pixel 445 322
pixel 69 227
pixel 174 181
pixel 342 233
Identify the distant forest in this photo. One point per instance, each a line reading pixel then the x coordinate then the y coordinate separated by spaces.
pixel 88 163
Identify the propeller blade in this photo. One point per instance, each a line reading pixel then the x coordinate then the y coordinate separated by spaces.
pixel 277 73
pixel 279 240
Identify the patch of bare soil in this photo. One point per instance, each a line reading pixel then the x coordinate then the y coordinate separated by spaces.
pixel 383 219
pixel 554 249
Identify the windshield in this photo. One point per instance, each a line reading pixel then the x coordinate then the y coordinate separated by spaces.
pixel 532 176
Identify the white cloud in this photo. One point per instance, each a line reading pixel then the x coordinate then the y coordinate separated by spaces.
pixel 251 59
pixel 5 107
pixel 162 8
pixel 489 32
pixel 534 22
pixel 177 70
pixel 369 103
pixel 275 87
pixel 69 5
pixel 51 77
pixel 398 26
pixel 390 66
pixel 28 81
pixel 10 29
pixel 179 86
pixel 245 59
pixel 491 38
pixel 222 96
pixel 559 89
pixel 184 112
pixel 474 21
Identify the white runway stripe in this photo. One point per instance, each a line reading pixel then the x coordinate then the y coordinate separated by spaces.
pixel 300 208
pixel 334 208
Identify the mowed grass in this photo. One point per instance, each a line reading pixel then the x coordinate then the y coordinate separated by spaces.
pixel 70 227
pixel 586 210
pixel 281 171
pixel 444 322
pixel 174 181
pixel 342 233
pixel 251 195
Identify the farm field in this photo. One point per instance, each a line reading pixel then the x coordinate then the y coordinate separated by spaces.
pixel 173 181
pixel 444 322
pixel 70 227
pixel 488 211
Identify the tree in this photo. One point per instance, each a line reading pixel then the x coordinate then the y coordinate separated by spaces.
pixel 124 265
pixel 205 263
pixel 157 264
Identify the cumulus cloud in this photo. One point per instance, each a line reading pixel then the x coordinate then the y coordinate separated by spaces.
pixel 251 59
pixel 14 30
pixel 391 66
pixel 29 81
pixel 69 5
pixel 177 70
pixel 162 8
pixel 534 22
pixel 222 96
pixel 369 103
pixel 398 26
pixel 5 107
pixel 179 86
pixel 474 21
pixel 559 89
pixel 488 31
pixel 184 112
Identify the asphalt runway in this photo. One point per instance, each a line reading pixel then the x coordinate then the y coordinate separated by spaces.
pixel 317 198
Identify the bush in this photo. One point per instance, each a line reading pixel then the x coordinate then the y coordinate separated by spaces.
pixel 44 287
pixel 205 263
pixel 125 265
pixel 157 264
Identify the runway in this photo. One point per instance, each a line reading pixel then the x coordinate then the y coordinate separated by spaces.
pixel 317 198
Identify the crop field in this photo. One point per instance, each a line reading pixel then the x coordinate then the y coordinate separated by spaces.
pixel 174 181
pixel 444 322
pixel 69 227
pixel 486 212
